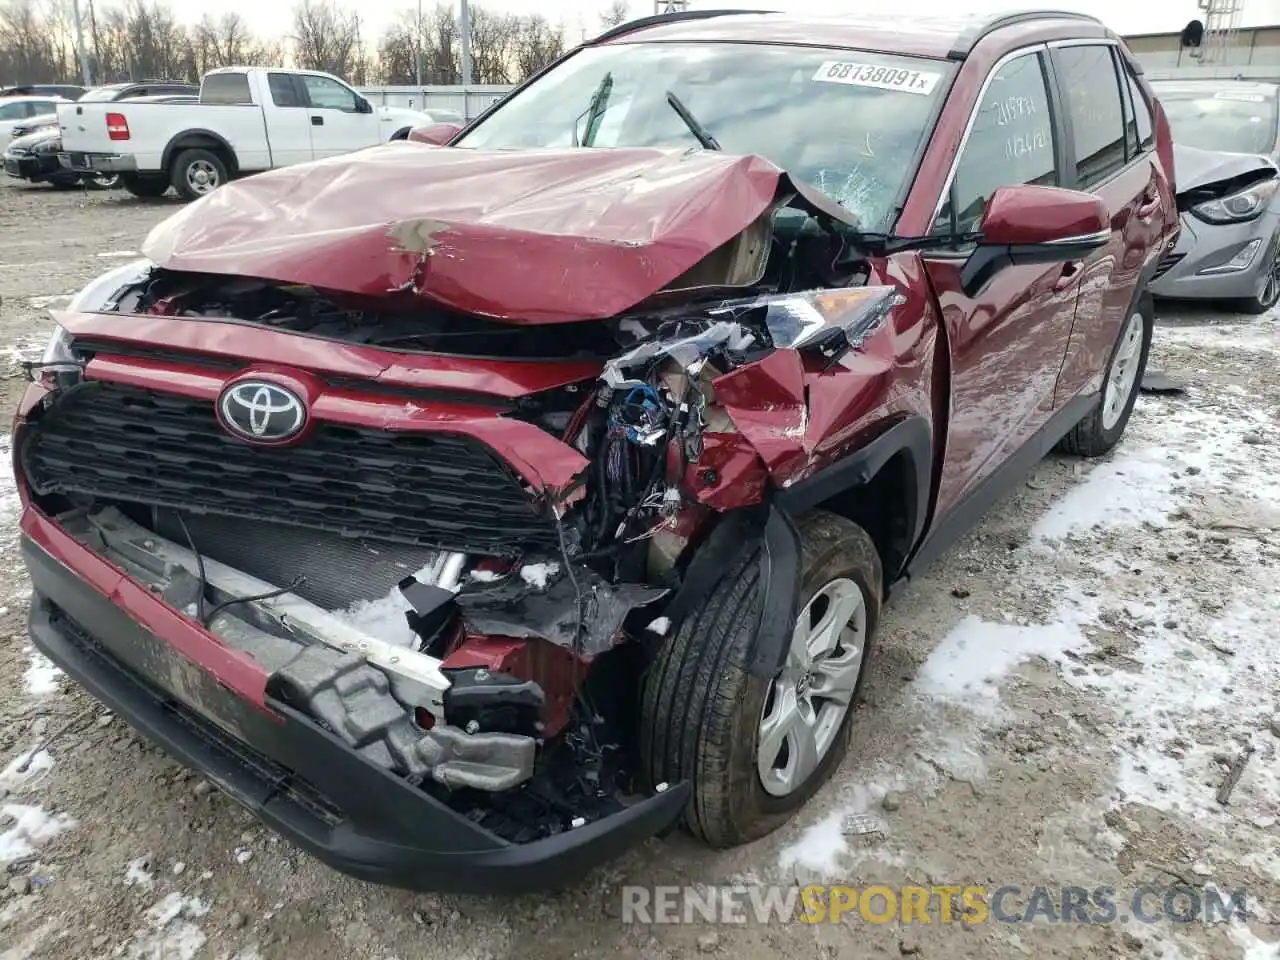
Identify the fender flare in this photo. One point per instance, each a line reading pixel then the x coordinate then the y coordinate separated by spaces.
pixel 780 555
pixel 912 438
pixel 175 145
pixel 772 524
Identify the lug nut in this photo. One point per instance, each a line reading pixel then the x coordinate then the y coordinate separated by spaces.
pixel 578 822
pixel 473 726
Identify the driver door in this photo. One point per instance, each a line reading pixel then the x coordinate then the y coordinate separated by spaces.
pixel 1008 340
pixel 337 125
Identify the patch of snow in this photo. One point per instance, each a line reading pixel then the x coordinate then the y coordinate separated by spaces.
pixel 384 618
pixel 172 936
pixel 11 778
pixel 485 576
pixel 537 574
pixel 967 664
pixel 1126 491
pixel 244 856
pixel 660 626
pixel 1254 947
pixel 111 254
pixel 820 846
pixel 137 875
pixel 31 826
pixel 32 942
pixel 41 677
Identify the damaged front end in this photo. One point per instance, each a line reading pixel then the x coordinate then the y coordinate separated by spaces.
pixel 459 559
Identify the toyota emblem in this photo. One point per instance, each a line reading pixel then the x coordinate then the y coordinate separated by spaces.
pixel 265 412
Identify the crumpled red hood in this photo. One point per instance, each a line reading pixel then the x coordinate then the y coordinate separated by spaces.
pixel 526 236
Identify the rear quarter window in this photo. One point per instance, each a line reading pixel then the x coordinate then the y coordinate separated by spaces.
pixel 226 88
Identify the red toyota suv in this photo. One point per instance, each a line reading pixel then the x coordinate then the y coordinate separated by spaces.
pixel 472 510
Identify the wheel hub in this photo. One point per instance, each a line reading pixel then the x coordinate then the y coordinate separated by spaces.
pixel 807 703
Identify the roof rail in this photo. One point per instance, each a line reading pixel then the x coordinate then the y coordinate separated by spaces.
pixel 661 18
pixel 965 43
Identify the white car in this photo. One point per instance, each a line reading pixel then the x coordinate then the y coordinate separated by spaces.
pixel 15 111
pixel 248 119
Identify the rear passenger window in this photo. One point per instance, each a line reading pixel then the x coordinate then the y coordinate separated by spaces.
pixel 1141 120
pixel 226 88
pixel 1088 78
pixel 1011 142
pixel 283 92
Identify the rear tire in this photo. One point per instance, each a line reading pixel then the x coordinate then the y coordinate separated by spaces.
pixel 703 716
pixel 197 173
pixel 144 186
pixel 1102 429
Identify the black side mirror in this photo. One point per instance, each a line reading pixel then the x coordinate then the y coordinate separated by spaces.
pixel 363 105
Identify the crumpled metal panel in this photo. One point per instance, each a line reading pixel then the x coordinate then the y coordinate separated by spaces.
pixel 533 236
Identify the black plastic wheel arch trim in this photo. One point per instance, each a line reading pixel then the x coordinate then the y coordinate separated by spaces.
pixel 911 437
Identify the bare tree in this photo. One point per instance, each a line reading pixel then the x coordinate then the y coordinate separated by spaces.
pixel 618 11
pixel 325 37
pixel 537 45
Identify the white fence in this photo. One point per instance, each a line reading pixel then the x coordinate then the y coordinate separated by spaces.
pixel 467 101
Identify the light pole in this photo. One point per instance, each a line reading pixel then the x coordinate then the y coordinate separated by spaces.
pixel 465 29
pixel 84 54
pixel 417 47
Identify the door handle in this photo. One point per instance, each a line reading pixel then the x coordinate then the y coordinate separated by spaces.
pixel 317 121
pixel 1070 273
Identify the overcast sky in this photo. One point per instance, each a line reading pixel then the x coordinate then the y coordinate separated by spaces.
pixel 1124 16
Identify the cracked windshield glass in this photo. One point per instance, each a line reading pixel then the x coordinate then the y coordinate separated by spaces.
pixel 847 122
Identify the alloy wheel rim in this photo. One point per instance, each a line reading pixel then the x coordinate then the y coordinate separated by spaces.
pixel 808 700
pixel 1123 374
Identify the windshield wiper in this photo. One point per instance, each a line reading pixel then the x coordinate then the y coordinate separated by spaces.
pixel 594 111
pixel 883 243
pixel 703 135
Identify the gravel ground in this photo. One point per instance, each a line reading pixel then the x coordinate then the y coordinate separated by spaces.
pixel 1056 703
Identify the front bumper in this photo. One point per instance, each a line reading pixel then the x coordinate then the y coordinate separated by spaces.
pixel 294 776
pixel 34 167
pixel 98 162
pixel 1205 247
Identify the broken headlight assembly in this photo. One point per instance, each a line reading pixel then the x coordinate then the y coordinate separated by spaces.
pixel 1247 204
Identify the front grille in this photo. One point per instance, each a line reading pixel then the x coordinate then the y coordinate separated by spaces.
pixel 140 446
pixel 1167 263
pixel 284 782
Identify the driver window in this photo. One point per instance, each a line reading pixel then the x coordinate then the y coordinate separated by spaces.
pixel 326 94
pixel 1011 143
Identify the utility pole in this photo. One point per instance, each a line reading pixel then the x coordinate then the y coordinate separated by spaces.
pixel 84 54
pixel 465 28
pixel 417 48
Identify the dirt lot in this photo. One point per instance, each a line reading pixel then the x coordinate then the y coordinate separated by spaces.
pixel 1055 704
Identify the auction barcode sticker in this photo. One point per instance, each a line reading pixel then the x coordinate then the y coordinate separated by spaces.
pixel 882 78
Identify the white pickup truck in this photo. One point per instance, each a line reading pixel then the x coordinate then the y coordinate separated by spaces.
pixel 247 120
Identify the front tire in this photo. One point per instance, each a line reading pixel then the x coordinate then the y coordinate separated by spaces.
pixel 756 750
pixel 1102 429
pixel 144 187
pixel 197 173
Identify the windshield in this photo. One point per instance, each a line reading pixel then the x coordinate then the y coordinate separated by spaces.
pixel 847 122
pixel 1230 120
pixel 100 94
